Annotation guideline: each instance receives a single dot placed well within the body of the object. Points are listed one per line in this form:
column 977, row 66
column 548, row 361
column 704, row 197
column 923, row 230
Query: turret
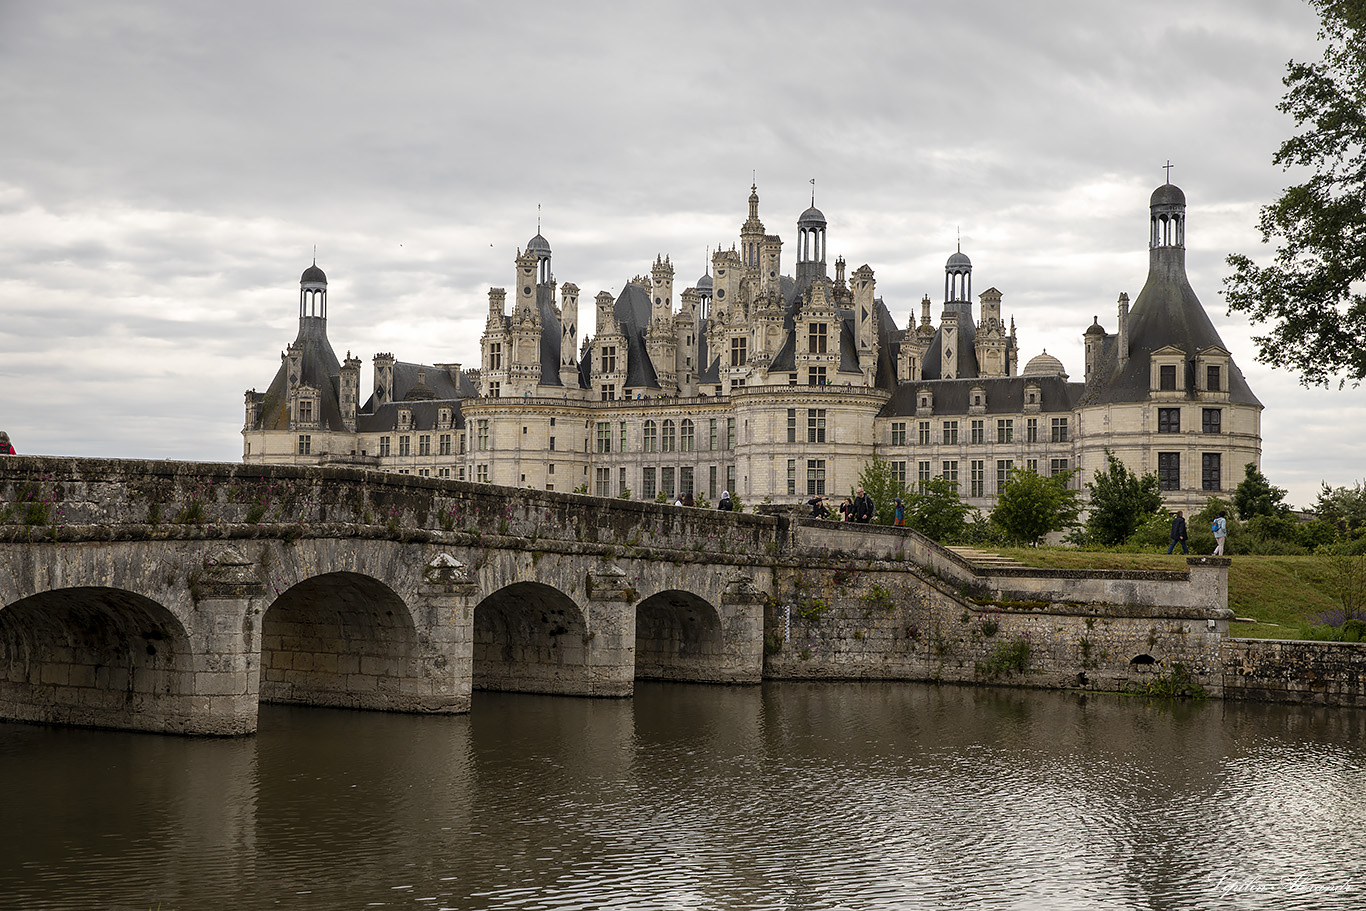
column 1123, row 341
column 865, row 321
column 383, row 378
column 569, row 335
column 662, row 303
column 350, row 391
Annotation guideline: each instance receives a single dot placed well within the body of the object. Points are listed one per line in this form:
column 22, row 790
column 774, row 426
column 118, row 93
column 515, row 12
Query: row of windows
column 1169, row 471
column 661, row 436
column 1169, row 420
column 1167, row 378
column 424, row 445
column 977, row 431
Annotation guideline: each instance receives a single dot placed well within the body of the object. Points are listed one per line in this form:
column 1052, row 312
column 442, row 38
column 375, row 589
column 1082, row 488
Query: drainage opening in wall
column 1142, row 659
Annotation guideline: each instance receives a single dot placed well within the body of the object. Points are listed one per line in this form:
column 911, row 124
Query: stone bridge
column 173, row 596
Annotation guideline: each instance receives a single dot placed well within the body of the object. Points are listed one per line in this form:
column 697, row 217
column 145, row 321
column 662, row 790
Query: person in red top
column 5, row 447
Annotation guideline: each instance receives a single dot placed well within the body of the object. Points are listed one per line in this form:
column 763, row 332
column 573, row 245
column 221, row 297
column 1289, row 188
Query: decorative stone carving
column 443, row 569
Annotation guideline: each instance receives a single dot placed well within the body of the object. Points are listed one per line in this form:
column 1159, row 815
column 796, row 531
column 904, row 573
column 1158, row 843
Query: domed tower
column 313, row 302
column 541, row 248
column 810, row 244
column 958, row 278
column 704, row 286
column 957, row 330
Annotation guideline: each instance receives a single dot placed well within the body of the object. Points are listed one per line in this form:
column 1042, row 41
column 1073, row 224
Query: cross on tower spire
column 1168, row 168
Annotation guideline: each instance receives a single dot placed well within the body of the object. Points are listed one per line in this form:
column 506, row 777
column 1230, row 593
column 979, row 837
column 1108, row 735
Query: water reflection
column 785, row 796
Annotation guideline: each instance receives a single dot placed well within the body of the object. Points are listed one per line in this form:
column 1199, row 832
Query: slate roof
column 318, row 367
column 1167, row 312
column 1005, row 395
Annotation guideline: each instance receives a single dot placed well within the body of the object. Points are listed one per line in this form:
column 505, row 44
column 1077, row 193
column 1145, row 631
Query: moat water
column 785, row 796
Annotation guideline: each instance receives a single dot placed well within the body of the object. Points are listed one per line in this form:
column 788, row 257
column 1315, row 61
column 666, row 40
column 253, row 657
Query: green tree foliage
column 1029, row 506
column 937, row 512
column 1344, row 507
column 1254, row 495
column 1311, row 292
column 879, row 481
column 1121, row 501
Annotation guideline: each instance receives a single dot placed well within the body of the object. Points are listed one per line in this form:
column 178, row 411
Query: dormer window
column 405, row 418
column 924, row 401
column 1167, row 378
column 1213, row 379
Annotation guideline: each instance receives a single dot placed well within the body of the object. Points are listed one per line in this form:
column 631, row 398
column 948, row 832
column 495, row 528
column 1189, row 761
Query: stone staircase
column 986, row 559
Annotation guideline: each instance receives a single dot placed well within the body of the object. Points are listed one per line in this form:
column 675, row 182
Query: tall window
column 979, row 432
column 1057, row 467
column 495, row 356
column 621, row 481
column 1212, row 379
column 815, row 477
column 687, row 437
column 791, row 425
column 898, row 433
column 815, row 376
column 899, row 472
column 1166, row 377
column 609, row 359
column 950, row 471
column 815, row 425
column 1169, row 420
column 1003, row 469
column 383, row 447
column 649, row 438
column 1210, row 476
column 1031, row 430
column 923, row 433
column 1211, row 420
column 1005, row 431
column 305, row 444
column 481, row 430
column 711, row 433
column 666, row 481
column 609, row 392
column 979, row 474
column 666, row 443
column 791, row 477
column 445, row 444
column 1060, row 430
column 481, row 473
column 648, row 490
column 306, row 411
column 730, row 478
column 730, row 433
column 405, row 445
column 685, row 485
column 604, row 439
column 950, row 433
column 602, row 482
column 922, row 473
column 711, row 481
column 738, row 349
column 816, row 338
column 1169, row 470
column 495, row 390
column 424, row 444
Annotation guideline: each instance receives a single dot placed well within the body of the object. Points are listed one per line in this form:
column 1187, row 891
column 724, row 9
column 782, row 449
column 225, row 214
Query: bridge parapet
column 124, row 497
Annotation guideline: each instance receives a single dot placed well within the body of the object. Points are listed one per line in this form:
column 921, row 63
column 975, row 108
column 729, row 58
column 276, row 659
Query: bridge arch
column 340, row 639
column 679, row 636
column 96, row 656
column 533, row 638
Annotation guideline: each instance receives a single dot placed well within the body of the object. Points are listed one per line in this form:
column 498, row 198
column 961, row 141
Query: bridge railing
column 39, row 494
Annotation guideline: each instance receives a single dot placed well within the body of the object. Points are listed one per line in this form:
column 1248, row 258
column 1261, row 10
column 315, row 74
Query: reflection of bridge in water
column 177, row 596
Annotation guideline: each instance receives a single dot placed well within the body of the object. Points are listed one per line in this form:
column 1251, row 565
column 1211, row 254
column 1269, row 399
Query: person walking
column 5, row 447
column 898, row 512
column 1179, row 533
column 1220, row 529
column 725, row 503
column 863, row 507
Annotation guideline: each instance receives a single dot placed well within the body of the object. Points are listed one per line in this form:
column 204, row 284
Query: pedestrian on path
column 1220, row 529
column 1179, row 533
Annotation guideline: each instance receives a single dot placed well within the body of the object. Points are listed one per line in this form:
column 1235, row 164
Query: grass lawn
column 1282, row 594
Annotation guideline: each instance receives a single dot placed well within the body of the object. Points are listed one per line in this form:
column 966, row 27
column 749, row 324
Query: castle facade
column 775, row 386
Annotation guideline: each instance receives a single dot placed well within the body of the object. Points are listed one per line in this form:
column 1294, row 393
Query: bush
column 1121, row 502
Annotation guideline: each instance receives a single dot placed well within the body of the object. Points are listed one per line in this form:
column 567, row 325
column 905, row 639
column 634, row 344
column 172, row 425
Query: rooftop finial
column 538, row 218
column 959, row 229
column 315, row 254
column 813, row 192
column 707, row 270
column 1168, row 168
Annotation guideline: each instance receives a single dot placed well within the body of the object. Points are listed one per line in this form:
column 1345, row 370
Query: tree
column 1344, row 507
column 1120, row 502
column 937, row 513
column 1254, row 495
column 1311, row 292
column 879, row 481
column 1029, row 506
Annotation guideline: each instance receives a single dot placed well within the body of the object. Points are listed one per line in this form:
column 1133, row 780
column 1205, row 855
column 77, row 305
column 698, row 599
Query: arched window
column 687, row 440
column 667, row 444
column 648, row 439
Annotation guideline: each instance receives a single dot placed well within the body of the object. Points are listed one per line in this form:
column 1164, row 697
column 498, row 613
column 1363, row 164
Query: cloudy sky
column 167, row 169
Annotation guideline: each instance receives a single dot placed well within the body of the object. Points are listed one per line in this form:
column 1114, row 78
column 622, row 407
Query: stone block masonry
column 1273, row 670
